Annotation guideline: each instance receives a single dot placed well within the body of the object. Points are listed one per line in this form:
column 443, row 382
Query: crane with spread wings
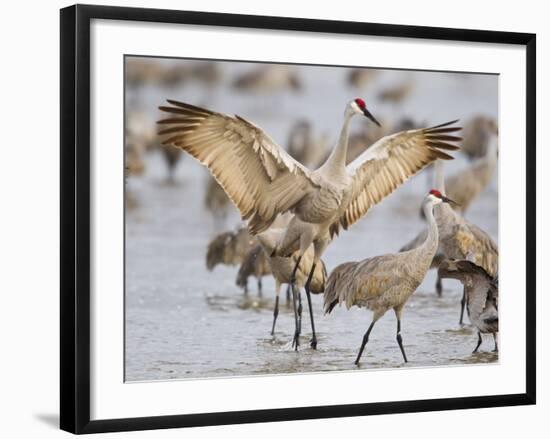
column 264, row 181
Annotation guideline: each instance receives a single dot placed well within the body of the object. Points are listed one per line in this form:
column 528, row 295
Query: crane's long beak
column 370, row 116
column 448, row 200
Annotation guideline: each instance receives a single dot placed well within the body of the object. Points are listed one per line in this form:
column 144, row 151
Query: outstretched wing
column 260, row 177
column 388, row 163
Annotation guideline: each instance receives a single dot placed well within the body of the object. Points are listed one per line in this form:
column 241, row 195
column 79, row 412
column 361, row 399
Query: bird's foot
column 313, row 343
column 296, row 341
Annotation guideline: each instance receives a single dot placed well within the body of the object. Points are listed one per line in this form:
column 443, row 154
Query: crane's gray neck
column 337, row 159
column 432, row 240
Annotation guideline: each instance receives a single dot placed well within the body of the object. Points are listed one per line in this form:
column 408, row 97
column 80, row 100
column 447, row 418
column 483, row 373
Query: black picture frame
column 75, row 217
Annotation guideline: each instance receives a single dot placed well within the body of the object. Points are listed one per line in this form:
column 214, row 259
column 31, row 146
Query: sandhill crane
column 459, row 239
column 209, row 73
column 216, row 201
column 360, row 78
column 172, row 156
column 140, row 129
column 438, row 258
column 477, row 135
column 282, row 269
column 263, row 180
column 268, row 79
column 133, row 157
column 304, row 147
column 204, row 72
column 385, row 282
column 465, row 186
column 481, row 295
column 255, row 263
column 229, row 248
column 367, row 135
column 396, row 93
column 140, row 71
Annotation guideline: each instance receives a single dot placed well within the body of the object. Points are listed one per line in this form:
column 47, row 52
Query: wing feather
column 260, row 177
column 392, row 160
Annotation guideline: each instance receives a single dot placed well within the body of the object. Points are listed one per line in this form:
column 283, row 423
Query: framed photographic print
column 274, row 218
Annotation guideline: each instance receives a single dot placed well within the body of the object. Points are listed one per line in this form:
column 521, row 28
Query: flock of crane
column 294, row 209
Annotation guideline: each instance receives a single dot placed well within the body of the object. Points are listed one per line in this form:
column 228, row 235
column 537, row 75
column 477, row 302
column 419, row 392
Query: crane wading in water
column 385, row 282
column 263, row 180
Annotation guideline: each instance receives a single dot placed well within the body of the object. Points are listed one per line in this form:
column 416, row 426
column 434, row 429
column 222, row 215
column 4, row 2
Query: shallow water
column 185, row 322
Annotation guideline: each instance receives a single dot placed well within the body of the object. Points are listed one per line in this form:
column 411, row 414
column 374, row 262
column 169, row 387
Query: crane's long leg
column 496, row 343
column 296, row 339
column 288, row 296
column 313, row 343
column 299, row 294
column 293, row 275
column 400, row 340
column 276, row 309
column 462, row 305
column 260, row 287
column 439, row 286
column 478, row 342
column 297, row 320
column 364, row 343
column 398, row 313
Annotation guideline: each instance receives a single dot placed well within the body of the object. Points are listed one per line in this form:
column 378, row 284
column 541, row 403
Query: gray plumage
column 229, row 248
column 305, row 147
column 282, row 268
column 476, row 135
column 264, row 181
column 458, row 237
column 216, row 201
column 465, row 186
column 268, row 79
column 255, row 263
column 360, row 78
column 384, row 282
column 172, row 156
column 481, row 291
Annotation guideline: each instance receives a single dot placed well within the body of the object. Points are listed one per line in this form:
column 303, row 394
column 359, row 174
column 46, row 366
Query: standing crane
column 255, row 263
column 477, row 135
column 465, row 186
column 282, row 269
column 216, row 202
column 304, row 146
column 481, row 291
column 268, row 79
column 263, row 180
column 229, row 248
column 458, row 239
column 385, row 282
column 359, row 78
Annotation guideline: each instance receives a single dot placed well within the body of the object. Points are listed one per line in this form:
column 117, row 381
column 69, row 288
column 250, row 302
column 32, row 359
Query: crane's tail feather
column 337, row 286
